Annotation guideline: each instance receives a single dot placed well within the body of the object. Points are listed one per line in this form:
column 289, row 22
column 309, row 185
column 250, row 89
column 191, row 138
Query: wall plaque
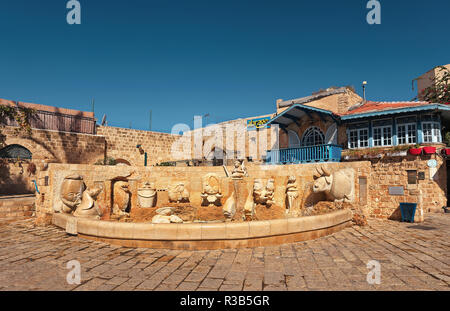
column 421, row 175
column 396, row 191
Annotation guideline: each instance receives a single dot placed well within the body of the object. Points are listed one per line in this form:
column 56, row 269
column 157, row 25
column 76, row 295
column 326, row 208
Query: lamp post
column 364, row 90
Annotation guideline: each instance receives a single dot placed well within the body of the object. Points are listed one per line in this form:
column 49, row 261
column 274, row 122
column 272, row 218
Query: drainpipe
column 36, row 186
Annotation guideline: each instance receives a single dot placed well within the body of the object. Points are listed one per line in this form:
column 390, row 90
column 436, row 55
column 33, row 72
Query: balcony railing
column 321, row 153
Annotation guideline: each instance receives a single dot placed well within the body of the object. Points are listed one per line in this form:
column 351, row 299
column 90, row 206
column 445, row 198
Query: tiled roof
column 372, row 106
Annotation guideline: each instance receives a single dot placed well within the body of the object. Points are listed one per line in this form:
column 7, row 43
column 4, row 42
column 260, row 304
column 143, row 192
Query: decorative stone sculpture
column 291, row 193
column 239, row 170
column 249, row 208
column 77, row 199
column 72, row 189
column 211, row 193
column 229, row 208
column 263, row 195
column 88, row 207
column 147, row 195
column 338, row 187
column 161, row 219
column 178, row 193
column 121, row 198
column 165, row 211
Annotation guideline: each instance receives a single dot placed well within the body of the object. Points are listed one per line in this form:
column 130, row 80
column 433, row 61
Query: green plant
column 21, row 115
column 106, row 161
column 166, row 164
column 447, row 139
column 439, row 91
column 401, row 148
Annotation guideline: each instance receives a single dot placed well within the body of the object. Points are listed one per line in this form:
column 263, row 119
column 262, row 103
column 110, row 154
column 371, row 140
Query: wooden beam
column 292, row 118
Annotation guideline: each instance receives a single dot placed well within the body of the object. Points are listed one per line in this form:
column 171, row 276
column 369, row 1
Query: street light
column 364, row 90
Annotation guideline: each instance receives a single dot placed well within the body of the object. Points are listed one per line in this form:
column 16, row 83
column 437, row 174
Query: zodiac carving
column 211, row 193
column 178, row 193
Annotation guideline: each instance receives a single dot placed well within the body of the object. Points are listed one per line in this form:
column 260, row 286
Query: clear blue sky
column 229, row 58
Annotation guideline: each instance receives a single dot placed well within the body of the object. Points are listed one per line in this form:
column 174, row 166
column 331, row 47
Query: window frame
column 358, row 137
column 434, row 138
column 312, row 130
column 382, row 138
column 407, row 125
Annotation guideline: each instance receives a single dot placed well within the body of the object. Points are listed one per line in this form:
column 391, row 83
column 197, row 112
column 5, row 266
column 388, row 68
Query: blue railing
column 321, row 153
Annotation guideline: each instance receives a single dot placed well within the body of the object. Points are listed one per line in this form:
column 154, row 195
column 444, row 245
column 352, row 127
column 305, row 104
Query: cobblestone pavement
column 412, row 257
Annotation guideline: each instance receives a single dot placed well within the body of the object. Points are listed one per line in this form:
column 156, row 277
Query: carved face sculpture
column 121, row 195
column 211, row 185
column 258, row 186
column 72, row 189
column 324, row 181
column 322, row 184
column 179, row 188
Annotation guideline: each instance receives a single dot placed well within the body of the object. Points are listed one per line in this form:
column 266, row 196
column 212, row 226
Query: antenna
column 104, row 120
column 150, row 122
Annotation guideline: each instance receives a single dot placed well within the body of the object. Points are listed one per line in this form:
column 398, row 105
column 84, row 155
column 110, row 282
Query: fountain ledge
column 203, row 236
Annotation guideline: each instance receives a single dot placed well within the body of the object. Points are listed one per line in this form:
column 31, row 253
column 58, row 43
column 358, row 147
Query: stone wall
column 54, row 146
column 46, row 147
column 49, row 182
column 121, row 144
column 13, row 207
column 393, row 172
column 372, row 182
column 15, row 178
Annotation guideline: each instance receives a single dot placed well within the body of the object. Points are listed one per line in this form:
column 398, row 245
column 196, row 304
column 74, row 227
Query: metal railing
column 59, row 122
column 320, row 153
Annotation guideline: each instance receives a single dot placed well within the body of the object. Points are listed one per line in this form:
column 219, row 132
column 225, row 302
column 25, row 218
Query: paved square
column 412, row 257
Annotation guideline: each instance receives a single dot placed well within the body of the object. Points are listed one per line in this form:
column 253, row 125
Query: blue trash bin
column 408, row 210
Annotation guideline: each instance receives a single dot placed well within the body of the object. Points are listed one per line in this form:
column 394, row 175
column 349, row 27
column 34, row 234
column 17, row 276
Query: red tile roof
column 371, row 106
column 86, row 114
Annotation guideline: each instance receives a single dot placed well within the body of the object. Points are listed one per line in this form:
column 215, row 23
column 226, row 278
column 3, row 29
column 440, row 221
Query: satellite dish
column 104, row 120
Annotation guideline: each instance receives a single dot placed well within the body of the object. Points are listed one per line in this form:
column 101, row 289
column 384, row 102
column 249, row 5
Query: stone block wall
column 121, row 145
column 46, row 147
column 54, row 146
column 50, row 181
column 393, row 172
column 17, row 207
column 372, row 196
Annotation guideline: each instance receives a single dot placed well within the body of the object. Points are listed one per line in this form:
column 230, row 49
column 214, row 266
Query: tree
column 439, row 91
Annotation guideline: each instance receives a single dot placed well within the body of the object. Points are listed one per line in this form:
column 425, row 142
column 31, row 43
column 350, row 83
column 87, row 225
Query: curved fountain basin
column 201, row 236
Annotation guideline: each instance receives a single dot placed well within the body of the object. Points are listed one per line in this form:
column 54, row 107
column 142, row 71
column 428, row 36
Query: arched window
column 294, row 141
column 15, row 152
column 313, row 137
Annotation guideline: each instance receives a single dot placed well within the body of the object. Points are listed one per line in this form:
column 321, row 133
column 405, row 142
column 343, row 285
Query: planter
column 429, row 150
column 446, row 151
column 415, row 151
